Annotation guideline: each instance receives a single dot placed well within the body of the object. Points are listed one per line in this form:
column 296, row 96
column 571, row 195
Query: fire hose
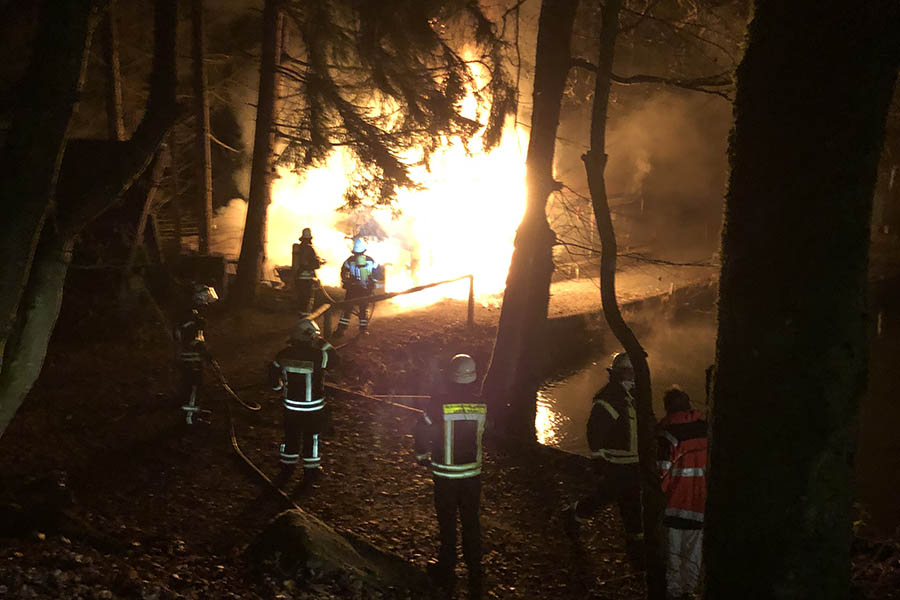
column 255, row 407
column 221, row 377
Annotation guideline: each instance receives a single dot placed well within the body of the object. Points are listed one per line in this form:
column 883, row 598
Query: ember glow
column 462, row 222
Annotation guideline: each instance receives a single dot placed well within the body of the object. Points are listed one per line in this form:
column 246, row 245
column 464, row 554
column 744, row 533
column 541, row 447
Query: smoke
column 678, row 353
column 665, row 174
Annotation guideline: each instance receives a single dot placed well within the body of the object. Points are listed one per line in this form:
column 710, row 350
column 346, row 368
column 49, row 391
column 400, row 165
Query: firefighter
column 681, row 460
column 612, row 436
column 299, row 372
column 448, row 437
column 304, row 262
column 192, row 350
column 361, row 276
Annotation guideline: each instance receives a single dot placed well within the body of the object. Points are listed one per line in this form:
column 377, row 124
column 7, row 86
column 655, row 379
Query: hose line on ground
column 221, row 376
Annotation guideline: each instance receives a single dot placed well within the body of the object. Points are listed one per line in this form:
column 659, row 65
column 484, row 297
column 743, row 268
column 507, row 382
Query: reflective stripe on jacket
column 681, row 460
column 451, row 430
column 612, row 427
column 299, row 371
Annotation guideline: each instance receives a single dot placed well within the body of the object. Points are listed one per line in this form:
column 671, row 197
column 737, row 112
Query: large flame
column 463, row 221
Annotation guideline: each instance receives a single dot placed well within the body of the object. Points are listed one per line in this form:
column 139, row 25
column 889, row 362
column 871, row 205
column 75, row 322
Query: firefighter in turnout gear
column 681, row 460
column 304, row 262
column 448, row 438
column 361, row 276
column 192, row 351
column 613, row 439
column 299, row 372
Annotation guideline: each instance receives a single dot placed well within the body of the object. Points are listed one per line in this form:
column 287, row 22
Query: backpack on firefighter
column 361, row 276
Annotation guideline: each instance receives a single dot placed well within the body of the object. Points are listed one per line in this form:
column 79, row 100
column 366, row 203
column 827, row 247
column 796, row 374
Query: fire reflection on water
column 547, row 420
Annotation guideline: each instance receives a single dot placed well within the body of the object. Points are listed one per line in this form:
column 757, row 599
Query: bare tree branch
column 697, row 84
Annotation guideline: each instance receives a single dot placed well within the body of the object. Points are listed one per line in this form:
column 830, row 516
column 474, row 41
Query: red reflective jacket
column 681, row 461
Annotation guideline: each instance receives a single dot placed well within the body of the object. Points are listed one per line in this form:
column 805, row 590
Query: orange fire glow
column 462, row 222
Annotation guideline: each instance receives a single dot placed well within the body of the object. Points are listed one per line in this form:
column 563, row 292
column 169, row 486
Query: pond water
column 679, row 350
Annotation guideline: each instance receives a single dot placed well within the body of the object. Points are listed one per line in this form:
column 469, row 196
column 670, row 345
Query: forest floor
column 106, row 493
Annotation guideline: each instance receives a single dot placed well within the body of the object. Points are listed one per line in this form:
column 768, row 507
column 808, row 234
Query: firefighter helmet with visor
column 462, row 369
column 203, row 295
column 306, row 330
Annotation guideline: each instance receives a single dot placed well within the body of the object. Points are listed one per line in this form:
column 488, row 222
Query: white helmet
column 203, row 295
column 306, row 330
column 620, row 361
column 462, row 369
column 359, row 245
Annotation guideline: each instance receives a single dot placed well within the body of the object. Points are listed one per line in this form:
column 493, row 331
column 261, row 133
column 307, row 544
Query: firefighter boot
column 442, row 576
column 476, row 584
column 340, row 331
column 635, row 550
column 311, row 479
column 285, row 472
column 570, row 521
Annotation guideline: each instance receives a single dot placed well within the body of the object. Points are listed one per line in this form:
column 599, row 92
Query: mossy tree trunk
column 812, row 93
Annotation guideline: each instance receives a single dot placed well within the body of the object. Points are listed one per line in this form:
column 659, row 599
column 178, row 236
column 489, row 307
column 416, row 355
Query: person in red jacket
column 681, row 460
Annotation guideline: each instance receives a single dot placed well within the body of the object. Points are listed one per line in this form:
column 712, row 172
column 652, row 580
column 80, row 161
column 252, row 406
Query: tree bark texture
column 812, row 93
column 512, row 377
column 82, row 195
column 110, row 37
column 201, row 117
column 253, row 242
column 595, row 165
column 30, row 160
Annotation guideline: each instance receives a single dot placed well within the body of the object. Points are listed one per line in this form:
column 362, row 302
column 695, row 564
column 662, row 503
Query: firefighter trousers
column 462, row 497
column 620, row 484
column 306, row 295
column 190, row 379
column 302, row 426
column 355, row 291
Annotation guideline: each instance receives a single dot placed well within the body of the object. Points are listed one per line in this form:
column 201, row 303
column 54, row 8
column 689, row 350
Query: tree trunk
column 511, row 379
column 201, row 116
column 30, row 160
column 595, row 166
column 114, row 115
column 175, row 208
column 39, row 310
column 792, row 351
column 253, row 243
